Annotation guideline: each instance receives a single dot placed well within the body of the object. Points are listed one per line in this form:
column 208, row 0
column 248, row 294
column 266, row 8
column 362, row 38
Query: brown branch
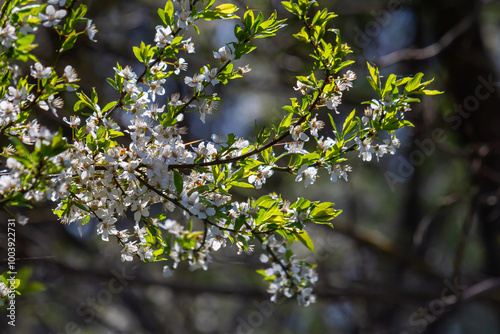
column 429, row 51
column 379, row 243
column 485, row 289
column 362, row 289
column 273, row 142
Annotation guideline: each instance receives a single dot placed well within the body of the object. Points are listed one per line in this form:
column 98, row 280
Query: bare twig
column 484, row 289
column 379, row 243
column 429, row 51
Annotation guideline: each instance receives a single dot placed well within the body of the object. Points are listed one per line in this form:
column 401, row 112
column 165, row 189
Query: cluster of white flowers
column 8, row 34
column 16, row 97
column 121, row 179
column 10, row 29
column 11, row 181
column 374, row 113
column 338, row 171
column 18, row 177
column 297, row 280
column 23, row 22
column 332, row 99
column 101, row 178
column 259, row 178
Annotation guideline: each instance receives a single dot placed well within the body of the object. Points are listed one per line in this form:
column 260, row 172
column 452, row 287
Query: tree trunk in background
column 476, row 114
column 471, row 75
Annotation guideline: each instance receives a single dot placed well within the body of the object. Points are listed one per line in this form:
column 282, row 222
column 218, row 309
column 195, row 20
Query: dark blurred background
column 417, row 248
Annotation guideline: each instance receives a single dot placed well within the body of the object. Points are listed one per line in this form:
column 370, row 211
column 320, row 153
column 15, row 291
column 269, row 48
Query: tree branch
column 429, row 51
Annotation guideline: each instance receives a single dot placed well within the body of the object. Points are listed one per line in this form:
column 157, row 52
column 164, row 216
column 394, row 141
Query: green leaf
column 59, row 143
column 113, row 133
column 239, row 174
column 432, row 92
column 5, row 276
column 178, row 182
column 389, row 85
column 250, row 164
column 20, row 148
column 349, row 124
column 109, row 106
column 374, row 79
column 91, row 143
column 324, row 212
column 265, row 201
column 289, row 6
column 414, row 83
column 333, row 123
column 241, row 184
column 239, row 222
column 305, row 239
column 137, row 53
column 169, row 13
column 302, row 36
column 395, row 124
column 285, row 123
column 226, row 10
column 80, row 206
column 301, row 204
column 69, row 42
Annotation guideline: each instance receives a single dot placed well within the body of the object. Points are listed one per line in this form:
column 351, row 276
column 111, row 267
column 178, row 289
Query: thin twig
column 429, row 51
column 483, row 288
column 381, row 244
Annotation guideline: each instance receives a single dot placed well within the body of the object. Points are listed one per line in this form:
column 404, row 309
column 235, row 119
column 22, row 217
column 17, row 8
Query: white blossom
column 52, row 103
column 145, row 253
column 244, row 69
column 325, row 144
column 365, row 149
column 129, row 250
column 315, row 125
column 40, row 72
column 216, row 238
column 196, row 81
column 167, row 272
column 307, row 174
column 106, row 228
column 184, row 19
column 259, row 178
column 51, row 16
column 338, row 171
column 333, row 102
column 74, row 121
column 8, row 35
column 188, row 46
column 163, row 36
column 297, row 133
column 91, row 30
column 211, row 75
column 70, row 74
column 224, row 54
column 180, row 65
